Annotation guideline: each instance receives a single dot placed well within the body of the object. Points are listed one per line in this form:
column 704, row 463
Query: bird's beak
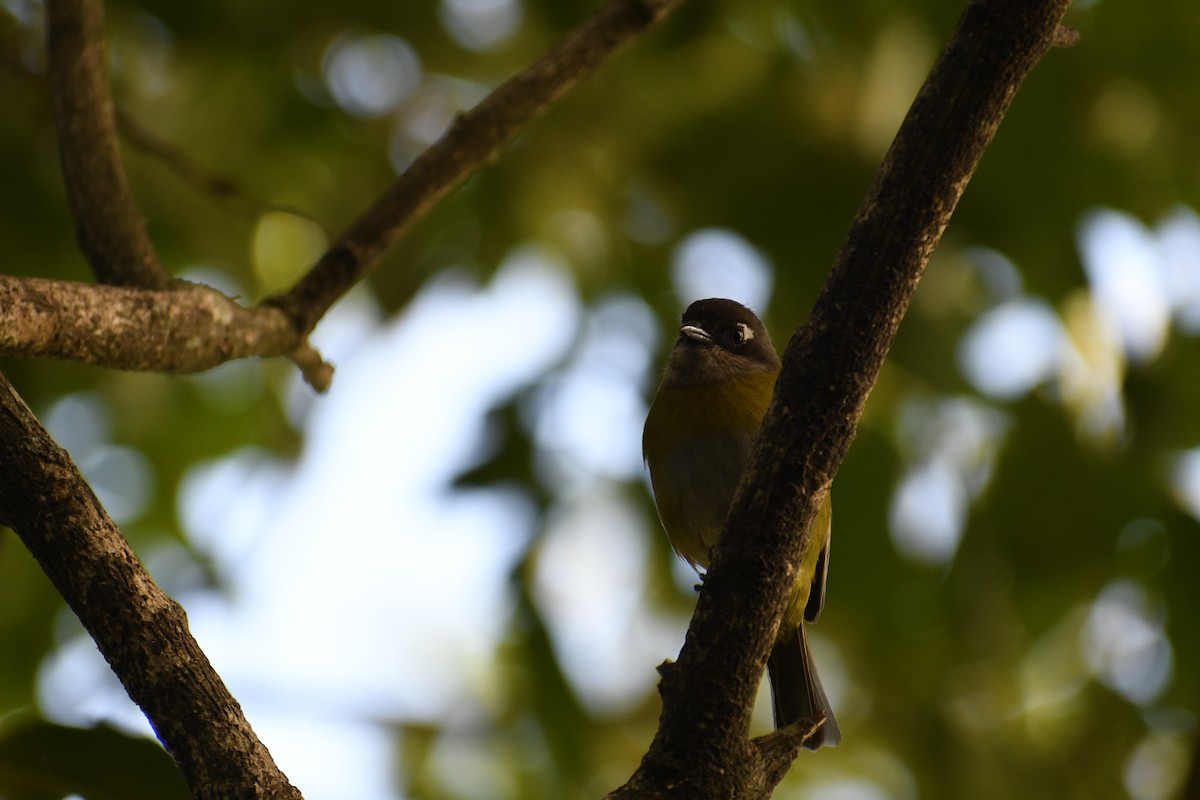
column 695, row 332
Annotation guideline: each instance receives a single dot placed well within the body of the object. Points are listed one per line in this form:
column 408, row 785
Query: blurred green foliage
column 40, row 761
column 961, row 677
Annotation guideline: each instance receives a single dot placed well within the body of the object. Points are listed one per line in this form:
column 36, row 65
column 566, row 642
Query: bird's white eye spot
column 745, row 332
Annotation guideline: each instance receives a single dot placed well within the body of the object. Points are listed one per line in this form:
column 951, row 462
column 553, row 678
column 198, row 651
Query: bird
column 715, row 390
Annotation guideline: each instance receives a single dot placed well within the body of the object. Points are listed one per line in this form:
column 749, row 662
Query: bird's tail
column 796, row 691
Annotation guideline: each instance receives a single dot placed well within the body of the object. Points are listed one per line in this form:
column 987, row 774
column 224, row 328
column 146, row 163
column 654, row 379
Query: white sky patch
column 79, row 423
column 587, row 419
column 1124, row 642
column 481, row 24
column 996, row 273
column 370, row 74
column 844, row 789
column 1179, row 240
column 950, row 447
column 1125, row 270
column 928, row 512
column 1080, row 349
column 329, row 756
column 358, row 585
column 122, row 478
column 590, row 584
column 1139, row 281
column 1185, row 481
column 1157, row 768
column 717, row 262
column 1012, row 348
column 890, row 778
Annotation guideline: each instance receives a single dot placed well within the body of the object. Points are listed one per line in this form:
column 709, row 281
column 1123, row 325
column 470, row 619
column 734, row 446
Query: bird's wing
column 816, row 594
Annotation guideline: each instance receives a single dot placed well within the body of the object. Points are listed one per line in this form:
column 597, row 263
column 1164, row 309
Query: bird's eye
column 741, row 333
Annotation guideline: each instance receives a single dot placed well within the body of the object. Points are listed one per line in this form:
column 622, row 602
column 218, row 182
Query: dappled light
column 1185, row 481
column 1156, row 769
column 1139, row 283
column 1124, row 643
column 1013, row 348
column 284, row 246
column 434, row 106
column 370, row 75
column 122, row 477
column 1128, row 281
column 951, row 448
column 591, row 580
column 585, row 419
column 720, row 263
column 446, row 578
column 481, row 24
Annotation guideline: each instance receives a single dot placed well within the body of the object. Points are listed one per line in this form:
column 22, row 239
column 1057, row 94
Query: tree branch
column 140, row 630
column 108, row 226
column 472, row 141
column 188, row 330
column 111, row 233
column 220, row 187
column 829, row 368
column 145, row 331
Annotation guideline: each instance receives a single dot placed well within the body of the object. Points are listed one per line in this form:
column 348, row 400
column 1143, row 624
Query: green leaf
column 43, row 761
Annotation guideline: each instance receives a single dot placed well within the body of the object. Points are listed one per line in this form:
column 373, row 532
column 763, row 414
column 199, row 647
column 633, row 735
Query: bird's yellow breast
column 696, row 442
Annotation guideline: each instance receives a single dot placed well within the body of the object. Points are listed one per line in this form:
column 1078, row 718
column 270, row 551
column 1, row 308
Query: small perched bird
column 714, row 393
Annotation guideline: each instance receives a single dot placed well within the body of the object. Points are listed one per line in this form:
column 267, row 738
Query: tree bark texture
column 702, row 748
column 190, row 330
column 142, row 319
column 108, row 226
column 141, row 631
column 111, row 231
column 472, row 141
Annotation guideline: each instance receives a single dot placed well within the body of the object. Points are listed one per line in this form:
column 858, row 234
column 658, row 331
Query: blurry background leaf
column 446, row 578
column 41, row 761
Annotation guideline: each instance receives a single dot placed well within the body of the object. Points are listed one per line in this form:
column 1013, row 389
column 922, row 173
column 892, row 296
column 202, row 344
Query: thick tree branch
column 472, row 141
column 188, row 330
column 140, row 630
column 108, row 226
column 829, row 368
column 111, row 232
column 145, row 331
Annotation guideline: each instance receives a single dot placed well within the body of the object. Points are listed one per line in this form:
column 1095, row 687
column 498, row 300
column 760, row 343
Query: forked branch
column 472, row 141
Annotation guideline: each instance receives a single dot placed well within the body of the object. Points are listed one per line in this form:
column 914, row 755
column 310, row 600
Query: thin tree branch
column 41, row 321
column 472, row 141
column 140, row 630
column 108, row 226
column 829, row 368
column 137, row 136
column 188, row 330
column 143, row 140
column 220, row 187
